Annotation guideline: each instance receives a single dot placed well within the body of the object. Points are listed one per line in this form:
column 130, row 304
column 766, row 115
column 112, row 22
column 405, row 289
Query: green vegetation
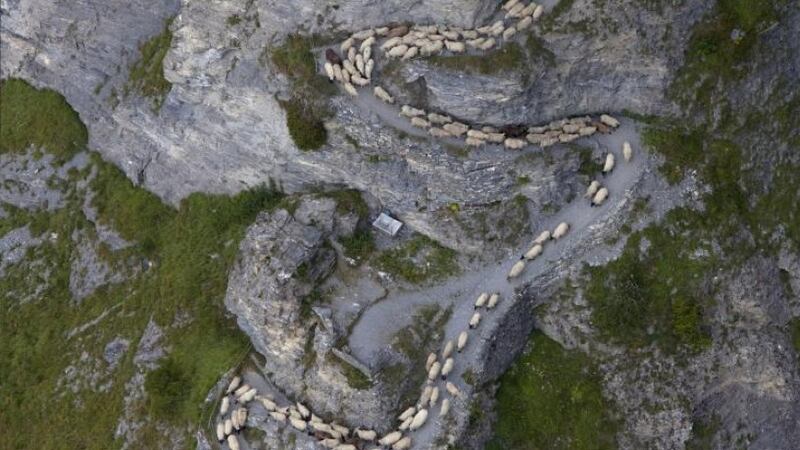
column 794, row 327
column 510, row 57
column 359, row 246
column 355, row 378
column 307, row 109
column 233, row 20
column 178, row 275
column 146, row 76
column 703, row 432
column 551, row 399
column 419, row 260
column 39, row 118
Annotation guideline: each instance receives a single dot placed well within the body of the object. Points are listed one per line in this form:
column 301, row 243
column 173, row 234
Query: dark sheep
column 332, row 57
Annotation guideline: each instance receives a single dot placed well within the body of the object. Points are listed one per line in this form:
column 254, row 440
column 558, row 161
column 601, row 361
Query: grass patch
column 703, row 432
column 359, row 246
column 146, row 76
column 38, row 117
column 355, row 378
column 306, row 126
column 419, row 260
column 794, row 328
column 509, row 58
column 551, row 399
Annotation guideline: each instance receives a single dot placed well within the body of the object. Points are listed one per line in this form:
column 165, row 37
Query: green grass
column 551, row 399
column 794, row 327
column 146, row 76
column 703, row 432
column 510, row 57
column 39, row 118
column 355, row 378
column 419, row 260
column 359, row 246
column 191, row 249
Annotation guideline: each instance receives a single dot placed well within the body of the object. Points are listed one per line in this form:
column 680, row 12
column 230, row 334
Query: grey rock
column 115, row 350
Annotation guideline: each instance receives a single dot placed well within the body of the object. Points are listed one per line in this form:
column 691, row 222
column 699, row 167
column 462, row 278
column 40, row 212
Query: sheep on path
column 228, row 426
column 462, row 341
column 452, row 389
column 220, row 431
column 592, row 189
column 402, row 444
column 534, row 251
column 475, row 320
column 448, row 349
column 366, row 435
column 543, row 237
column 481, row 300
column 493, row 301
column 224, row 405
column 234, row 384
column 390, row 438
column 447, row 367
column 434, row 397
column 410, row 111
column 241, row 390
column 600, row 197
column 429, row 362
column 434, row 371
column 298, row 424
column 419, row 420
column 610, row 121
column 233, row 442
column 560, row 230
column 445, row 407
column 627, row 151
column 516, row 269
column 455, row 128
column 609, row 164
column 279, row 416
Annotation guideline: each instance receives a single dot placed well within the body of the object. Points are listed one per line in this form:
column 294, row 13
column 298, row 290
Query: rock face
column 282, row 258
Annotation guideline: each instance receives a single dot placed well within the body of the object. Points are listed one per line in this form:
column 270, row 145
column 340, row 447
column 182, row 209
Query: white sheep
column 398, row 51
column 475, row 320
column 228, row 425
column 481, row 300
column 587, row 131
column 419, row 420
column 498, row 25
column 242, row 412
column 402, row 444
column 345, row 447
column 431, row 48
column 543, row 237
column 627, row 151
column 445, row 407
column 409, row 111
column 298, row 424
column 279, row 416
column 476, row 43
column 448, row 349
column 329, row 71
column 367, row 43
column 321, row 427
column 436, row 37
column 304, row 412
column 330, row 443
column 224, row 405
column 592, row 189
column 368, row 68
column 487, row 44
column 360, row 63
column 510, row 4
column 350, row 89
column 434, row 396
column 345, row 77
column 248, row 396
column 477, row 134
column 391, row 43
column 451, row 35
column 349, row 67
column 407, row 413
column 347, row 44
column 293, row 412
column 561, row 230
column 455, row 47
column 341, row 429
column 455, row 128
column 351, row 55
column 610, row 121
column 220, row 431
column 366, row 435
column 609, row 164
column 473, row 142
column 600, row 197
column 439, row 118
column 382, row 31
column 234, row 384
column 493, row 301
column 439, row 133
column 566, row 138
column 425, row 397
column 509, row 32
column 514, row 143
column 235, row 421
column 515, row 11
column 337, row 73
column 241, row 390
column 452, row 389
column 462, row 341
column 410, row 53
column 233, row 442
column 497, row 138
column 390, row 438
column 516, row 269
column 434, row 370
column 315, row 419
column 359, row 80
column 469, row 34
column 447, row 367
column 528, row 10
column 419, row 122
column 383, row 95
column 430, row 361
column 364, row 34
column 571, row 128
column 537, row 12
column 534, row 251
column 406, row 423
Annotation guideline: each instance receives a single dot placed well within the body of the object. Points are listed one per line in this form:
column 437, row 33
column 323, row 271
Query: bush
column 359, row 246
column 418, row 260
column 146, row 76
column 167, row 388
column 510, row 57
column 40, row 118
column 305, row 126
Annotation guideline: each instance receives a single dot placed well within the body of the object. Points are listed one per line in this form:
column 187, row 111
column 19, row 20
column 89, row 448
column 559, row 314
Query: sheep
column 448, row 349
column 345, row 447
column 587, row 131
column 516, row 269
column 455, row 47
column 406, row 423
column 477, row 134
column 565, row 138
column 383, row 95
column 409, row 111
column 425, row 397
column 223, row 407
column 337, row 73
column 497, row 138
column 473, row 142
column 476, row 43
column 600, row 197
column 535, row 138
column 608, row 120
column 439, row 133
column 410, row 53
column 321, row 427
column 434, row 397
column 314, row 419
column 390, row 438
column 329, row 71
column 402, row 444
column 543, row 237
column 350, row 67
column 430, row 361
column 510, row 4
column 469, row 34
column 481, row 300
column 397, row 51
column 514, row 143
column 447, row 367
column 475, row 320
column 451, row 35
column 510, row 31
column 534, row 251
column 248, row 396
column 234, row 384
column 537, row 130
column 350, row 89
column 537, row 12
column 351, row 55
column 341, row 429
column 298, row 424
column 399, row 30
column 279, row 416
column 330, row 443
column 548, row 142
column 419, row 420
column 433, row 47
column 391, row 43
column 368, row 67
column 359, row 80
column 455, row 128
column 382, row 31
column 515, row 11
column 426, row 28
column 360, row 63
column 571, row 128
column 445, row 407
column 493, row 301
column 439, row 118
column 241, row 390
column 498, row 25
column 367, row 43
column 228, row 425
column 560, row 231
column 345, row 76
column 347, row 44
column 294, row 413
column 419, row 122
column 407, row 413
column 462, row 341
column 528, row 10
column 366, row 435
column 609, row 164
column 436, row 37
column 434, row 370
column 235, row 421
column 487, row 44
column 452, row 389
column 304, row 412
column 627, row 151
column 220, row 432
column 242, row 412
column 233, row 442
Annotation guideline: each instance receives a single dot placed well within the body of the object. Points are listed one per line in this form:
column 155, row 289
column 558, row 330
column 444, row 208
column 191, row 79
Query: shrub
column 167, row 388
column 146, row 76
column 305, row 126
column 359, row 246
